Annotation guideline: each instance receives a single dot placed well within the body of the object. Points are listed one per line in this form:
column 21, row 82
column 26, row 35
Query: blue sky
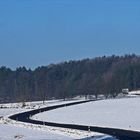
column 40, row 32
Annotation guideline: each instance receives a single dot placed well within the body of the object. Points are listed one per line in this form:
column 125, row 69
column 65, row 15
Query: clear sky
column 40, row 32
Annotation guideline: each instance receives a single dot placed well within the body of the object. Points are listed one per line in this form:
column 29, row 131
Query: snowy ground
column 12, row 130
column 115, row 113
column 8, row 111
column 35, row 104
column 9, row 132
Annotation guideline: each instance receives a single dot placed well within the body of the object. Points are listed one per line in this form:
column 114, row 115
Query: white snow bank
column 8, row 111
column 8, row 132
column 36, row 104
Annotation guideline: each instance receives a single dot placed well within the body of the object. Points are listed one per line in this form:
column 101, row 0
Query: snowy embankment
column 9, row 132
column 116, row 113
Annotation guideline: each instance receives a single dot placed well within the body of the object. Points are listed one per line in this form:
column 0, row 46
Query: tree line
column 98, row 76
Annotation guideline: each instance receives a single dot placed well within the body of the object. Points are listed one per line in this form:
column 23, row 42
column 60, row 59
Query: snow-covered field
column 116, row 113
column 9, row 132
column 35, row 104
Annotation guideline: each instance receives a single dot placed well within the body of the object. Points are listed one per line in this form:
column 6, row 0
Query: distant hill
column 101, row 75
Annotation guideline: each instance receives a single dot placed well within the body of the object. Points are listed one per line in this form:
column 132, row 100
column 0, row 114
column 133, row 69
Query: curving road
column 118, row 133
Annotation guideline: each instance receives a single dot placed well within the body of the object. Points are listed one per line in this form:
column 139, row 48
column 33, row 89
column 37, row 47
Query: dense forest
column 101, row 75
